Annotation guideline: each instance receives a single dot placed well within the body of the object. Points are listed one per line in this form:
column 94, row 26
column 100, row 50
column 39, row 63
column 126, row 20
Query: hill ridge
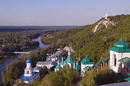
column 96, row 45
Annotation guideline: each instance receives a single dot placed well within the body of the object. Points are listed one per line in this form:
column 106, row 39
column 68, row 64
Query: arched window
column 114, row 62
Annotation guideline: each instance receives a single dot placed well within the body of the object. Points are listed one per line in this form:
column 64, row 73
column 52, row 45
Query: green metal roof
column 86, row 60
column 105, row 59
column 125, row 61
column 62, row 62
column 127, row 79
column 120, row 50
column 77, row 68
column 98, row 63
column 121, row 46
column 102, row 61
column 83, row 62
column 87, row 68
column 69, row 59
column 58, row 67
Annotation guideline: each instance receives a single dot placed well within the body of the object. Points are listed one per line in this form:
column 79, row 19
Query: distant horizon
column 59, row 13
column 53, row 25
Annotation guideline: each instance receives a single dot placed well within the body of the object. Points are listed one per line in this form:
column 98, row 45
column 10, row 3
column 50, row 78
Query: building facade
column 29, row 75
column 120, row 57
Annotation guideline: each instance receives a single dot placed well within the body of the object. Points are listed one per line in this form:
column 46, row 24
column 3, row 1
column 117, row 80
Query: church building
column 29, row 75
column 69, row 61
column 86, row 63
column 120, row 57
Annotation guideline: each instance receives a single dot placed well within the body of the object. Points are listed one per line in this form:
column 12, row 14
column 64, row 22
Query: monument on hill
column 106, row 16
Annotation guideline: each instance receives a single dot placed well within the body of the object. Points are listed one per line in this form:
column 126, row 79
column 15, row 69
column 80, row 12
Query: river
column 8, row 61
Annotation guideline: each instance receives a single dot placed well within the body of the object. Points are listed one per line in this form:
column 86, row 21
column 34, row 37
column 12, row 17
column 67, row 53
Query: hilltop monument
column 106, row 16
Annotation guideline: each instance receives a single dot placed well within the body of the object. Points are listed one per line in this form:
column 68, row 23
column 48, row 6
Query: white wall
column 42, row 65
column 30, row 72
column 119, row 56
column 82, row 68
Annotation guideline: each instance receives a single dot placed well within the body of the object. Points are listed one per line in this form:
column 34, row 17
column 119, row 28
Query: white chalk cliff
column 105, row 22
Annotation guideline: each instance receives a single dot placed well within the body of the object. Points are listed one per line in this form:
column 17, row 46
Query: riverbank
column 13, row 55
column 8, row 61
column 5, row 58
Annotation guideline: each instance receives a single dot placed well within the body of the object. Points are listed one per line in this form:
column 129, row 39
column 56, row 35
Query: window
column 114, row 61
column 114, row 56
column 27, row 72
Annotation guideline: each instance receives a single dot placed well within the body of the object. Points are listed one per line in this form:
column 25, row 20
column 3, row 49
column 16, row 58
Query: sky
column 58, row 12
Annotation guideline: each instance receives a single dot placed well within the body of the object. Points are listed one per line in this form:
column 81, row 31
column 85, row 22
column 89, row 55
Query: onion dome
column 69, row 59
column 28, row 61
column 58, row 67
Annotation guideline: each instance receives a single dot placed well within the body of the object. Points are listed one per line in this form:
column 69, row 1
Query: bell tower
column 28, row 70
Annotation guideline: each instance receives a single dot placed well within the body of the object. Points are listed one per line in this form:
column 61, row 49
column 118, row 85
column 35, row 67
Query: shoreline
column 8, row 61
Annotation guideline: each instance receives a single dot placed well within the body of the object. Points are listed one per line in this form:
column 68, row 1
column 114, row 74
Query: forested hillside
column 95, row 45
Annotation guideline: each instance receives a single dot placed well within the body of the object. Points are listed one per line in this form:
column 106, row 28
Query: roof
column 28, row 61
column 105, row 59
column 69, row 59
column 29, row 78
column 125, row 61
column 121, row 46
column 62, row 62
column 86, row 60
column 120, row 50
column 102, row 61
column 37, row 68
column 44, row 62
column 58, row 67
column 77, row 68
column 87, row 68
column 98, row 63
column 127, row 79
column 58, row 53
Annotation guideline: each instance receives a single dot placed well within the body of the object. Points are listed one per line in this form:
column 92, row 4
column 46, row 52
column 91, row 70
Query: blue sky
column 58, row 12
